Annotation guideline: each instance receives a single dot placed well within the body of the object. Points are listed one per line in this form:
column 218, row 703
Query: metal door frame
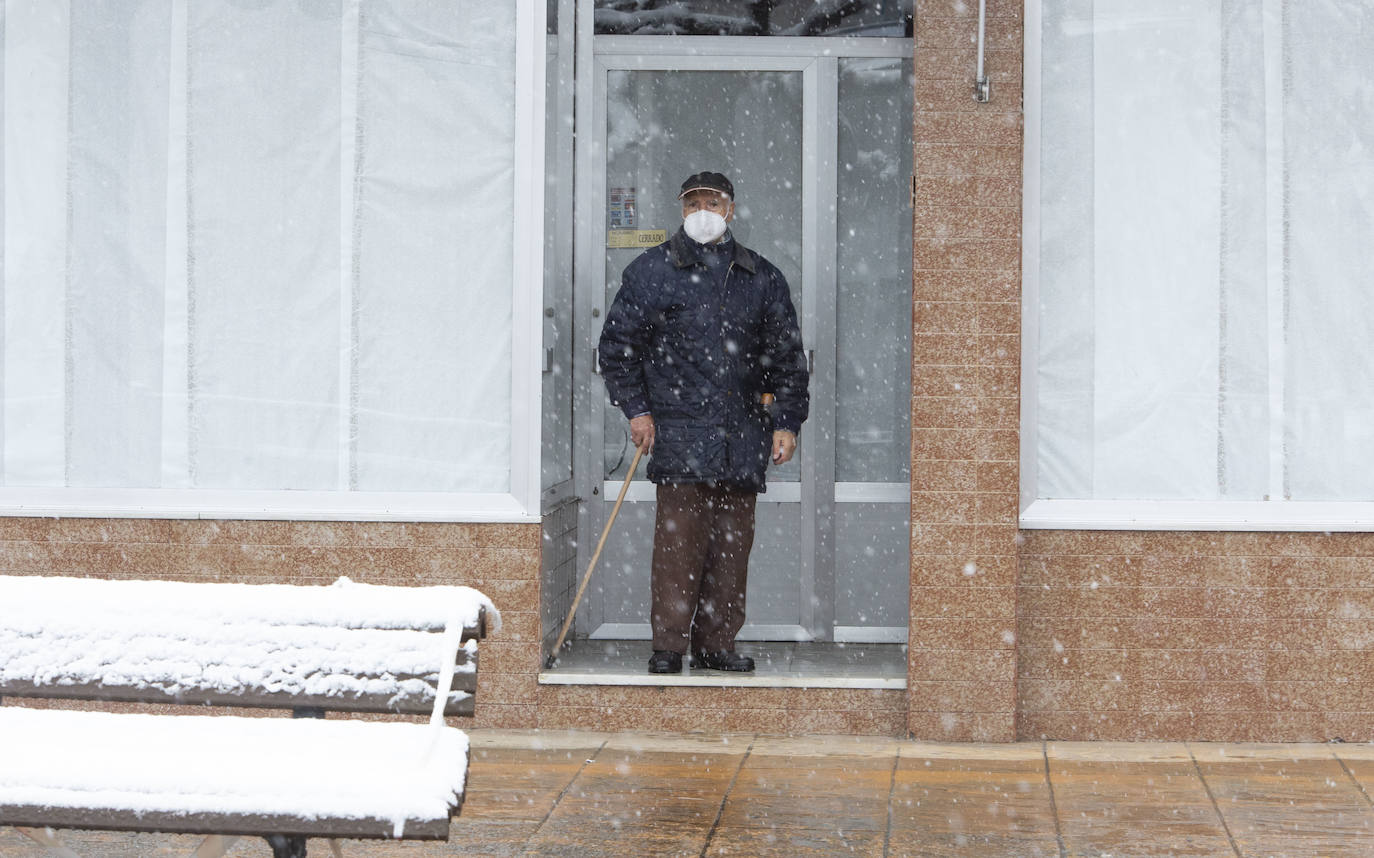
column 817, row 59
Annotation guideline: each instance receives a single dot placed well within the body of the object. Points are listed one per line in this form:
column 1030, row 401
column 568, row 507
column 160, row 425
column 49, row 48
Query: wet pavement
column 640, row 794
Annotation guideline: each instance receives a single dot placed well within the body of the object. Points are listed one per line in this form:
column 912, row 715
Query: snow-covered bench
column 346, row 647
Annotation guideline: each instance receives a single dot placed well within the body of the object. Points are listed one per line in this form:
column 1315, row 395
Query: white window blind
column 262, row 257
column 1200, row 191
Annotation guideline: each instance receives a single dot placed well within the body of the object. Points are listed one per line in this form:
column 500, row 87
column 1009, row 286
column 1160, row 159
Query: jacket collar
column 684, row 254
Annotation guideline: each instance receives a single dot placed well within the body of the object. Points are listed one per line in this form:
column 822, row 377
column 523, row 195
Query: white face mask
column 703, row 227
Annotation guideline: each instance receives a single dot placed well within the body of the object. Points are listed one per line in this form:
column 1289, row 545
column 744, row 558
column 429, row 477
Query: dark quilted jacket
column 696, row 352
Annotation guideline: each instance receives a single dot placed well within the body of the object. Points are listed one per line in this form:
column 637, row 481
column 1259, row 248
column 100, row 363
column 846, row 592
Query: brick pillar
column 965, row 363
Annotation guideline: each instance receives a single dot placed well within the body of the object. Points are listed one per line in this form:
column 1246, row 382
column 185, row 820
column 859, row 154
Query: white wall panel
column 36, row 100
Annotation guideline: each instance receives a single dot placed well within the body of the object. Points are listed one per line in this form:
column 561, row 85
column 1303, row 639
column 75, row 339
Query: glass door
column 872, row 323
column 663, row 123
column 818, row 148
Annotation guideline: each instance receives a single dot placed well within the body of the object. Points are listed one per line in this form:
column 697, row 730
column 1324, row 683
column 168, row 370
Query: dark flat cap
column 707, row 181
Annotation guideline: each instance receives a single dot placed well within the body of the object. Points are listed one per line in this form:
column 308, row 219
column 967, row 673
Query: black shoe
column 663, row 661
column 724, row 660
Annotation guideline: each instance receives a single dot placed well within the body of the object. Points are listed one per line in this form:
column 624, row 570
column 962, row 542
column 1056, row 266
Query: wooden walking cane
column 596, row 555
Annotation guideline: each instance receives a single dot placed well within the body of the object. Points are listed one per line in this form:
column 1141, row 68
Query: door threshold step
column 777, row 665
column 718, row 679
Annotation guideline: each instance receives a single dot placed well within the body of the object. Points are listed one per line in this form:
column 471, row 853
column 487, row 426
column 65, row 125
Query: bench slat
column 414, row 705
column 131, row 656
column 31, row 816
column 214, row 774
column 344, row 604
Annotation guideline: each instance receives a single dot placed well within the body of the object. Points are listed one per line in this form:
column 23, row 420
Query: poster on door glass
column 622, row 209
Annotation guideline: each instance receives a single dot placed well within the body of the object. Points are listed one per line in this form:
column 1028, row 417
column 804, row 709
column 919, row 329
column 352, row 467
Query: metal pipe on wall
column 982, row 87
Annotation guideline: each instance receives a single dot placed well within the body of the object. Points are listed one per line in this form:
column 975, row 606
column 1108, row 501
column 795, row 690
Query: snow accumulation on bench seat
column 344, row 603
column 344, row 640
column 198, row 764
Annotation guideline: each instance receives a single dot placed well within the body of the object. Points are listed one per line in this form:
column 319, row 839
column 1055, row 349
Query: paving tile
column 618, row 840
column 1003, row 804
column 915, row 753
column 968, row 797
column 1148, row 843
column 637, row 810
column 966, row 768
column 485, row 838
column 1351, row 751
column 1133, row 807
column 804, row 810
column 866, row 747
column 914, row 843
column 523, row 772
column 1362, row 770
column 1119, row 752
column 509, row 803
column 788, row 842
column 1291, row 799
column 820, row 763
column 509, row 784
column 627, row 762
column 1256, row 821
column 1216, row 752
column 1304, row 847
column 809, row 780
column 703, row 776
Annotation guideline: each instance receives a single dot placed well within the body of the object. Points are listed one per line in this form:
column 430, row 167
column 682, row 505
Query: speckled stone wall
column 965, row 361
column 1237, row 637
column 501, row 560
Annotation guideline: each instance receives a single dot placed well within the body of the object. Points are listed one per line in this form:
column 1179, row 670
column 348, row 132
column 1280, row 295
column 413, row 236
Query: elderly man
column 701, row 335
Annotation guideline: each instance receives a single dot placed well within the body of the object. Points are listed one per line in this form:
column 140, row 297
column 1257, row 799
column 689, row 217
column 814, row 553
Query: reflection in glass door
column 872, row 350
column 819, row 151
column 661, row 126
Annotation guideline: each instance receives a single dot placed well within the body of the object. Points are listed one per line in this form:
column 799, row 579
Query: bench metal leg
column 214, row 846
column 47, row 838
column 286, row 847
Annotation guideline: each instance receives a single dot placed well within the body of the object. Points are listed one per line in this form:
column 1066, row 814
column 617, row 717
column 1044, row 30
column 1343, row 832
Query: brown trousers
column 702, row 538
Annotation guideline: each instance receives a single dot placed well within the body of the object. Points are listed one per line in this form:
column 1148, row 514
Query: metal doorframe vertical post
column 820, row 105
column 587, row 297
column 559, row 342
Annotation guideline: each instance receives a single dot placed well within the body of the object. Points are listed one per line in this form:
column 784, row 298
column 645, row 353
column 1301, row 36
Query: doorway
column 816, row 135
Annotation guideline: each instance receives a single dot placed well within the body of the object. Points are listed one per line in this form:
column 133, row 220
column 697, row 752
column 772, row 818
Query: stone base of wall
column 1112, row 635
column 1234, row 637
column 501, row 560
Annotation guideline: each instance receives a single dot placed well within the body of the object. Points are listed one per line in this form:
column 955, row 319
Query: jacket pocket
column 753, row 446
column 686, row 451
